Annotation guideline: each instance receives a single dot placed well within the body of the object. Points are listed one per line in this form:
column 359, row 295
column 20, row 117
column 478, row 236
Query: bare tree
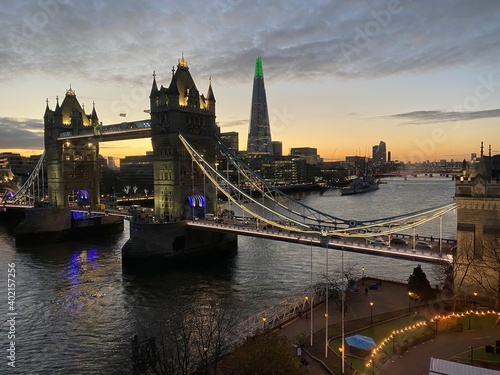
column 464, row 260
column 192, row 340
column 213, row 328
column 487, row 267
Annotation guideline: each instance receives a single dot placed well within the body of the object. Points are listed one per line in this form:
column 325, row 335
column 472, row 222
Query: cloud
column 120, row 41
column 239, row 122
column 21, row 133
column 430, row 117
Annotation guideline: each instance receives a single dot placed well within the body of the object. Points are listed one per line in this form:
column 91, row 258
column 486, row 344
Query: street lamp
column 371, row 312
column 326, row 336
column 475, row 299
column 264, row 323
column 363, row 270
column 341, row 349
column 471, row 355
column 409, row 301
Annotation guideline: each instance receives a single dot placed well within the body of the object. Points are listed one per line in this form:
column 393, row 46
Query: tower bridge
column 185, row 141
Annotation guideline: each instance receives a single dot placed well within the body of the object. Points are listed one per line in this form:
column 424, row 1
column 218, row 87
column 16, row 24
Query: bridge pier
column 172, row 242
column 49, row 225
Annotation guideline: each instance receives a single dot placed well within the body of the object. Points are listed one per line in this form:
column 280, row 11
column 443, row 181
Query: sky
column 340, row 76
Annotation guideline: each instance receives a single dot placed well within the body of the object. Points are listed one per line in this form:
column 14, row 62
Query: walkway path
column 388, row 297
column 445, row 347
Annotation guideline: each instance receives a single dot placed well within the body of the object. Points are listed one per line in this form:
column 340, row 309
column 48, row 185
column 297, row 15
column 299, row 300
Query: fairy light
column 394, row 334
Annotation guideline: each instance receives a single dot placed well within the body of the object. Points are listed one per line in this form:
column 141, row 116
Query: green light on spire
column 258, row 67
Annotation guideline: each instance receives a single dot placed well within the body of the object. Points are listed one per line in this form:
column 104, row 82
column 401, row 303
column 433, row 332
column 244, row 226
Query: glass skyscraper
column 259, row 134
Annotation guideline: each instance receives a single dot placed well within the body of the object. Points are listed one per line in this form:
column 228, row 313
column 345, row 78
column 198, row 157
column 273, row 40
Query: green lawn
column 382, row 331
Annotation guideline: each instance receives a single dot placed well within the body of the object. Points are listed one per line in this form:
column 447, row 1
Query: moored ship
column 360, row 185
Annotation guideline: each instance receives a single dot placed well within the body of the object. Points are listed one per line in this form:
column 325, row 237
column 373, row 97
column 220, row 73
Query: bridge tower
column 477, row 194
column 180, row 189
column 72, row 166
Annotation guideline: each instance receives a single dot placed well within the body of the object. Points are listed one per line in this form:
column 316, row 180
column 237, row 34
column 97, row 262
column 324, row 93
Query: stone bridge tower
column 180, row 190
column 72, row 165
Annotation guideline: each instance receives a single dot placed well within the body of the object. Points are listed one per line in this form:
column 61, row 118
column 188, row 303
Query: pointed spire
column 182, row 62
column 70, row 92
column 94, row 117
column 258, row 67
column 47, row 109
column 482, row 149
column 154, row 87
column 210, row 93
column 57, row 110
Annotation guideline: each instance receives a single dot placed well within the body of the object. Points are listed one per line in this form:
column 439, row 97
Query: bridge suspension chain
column 30, row 191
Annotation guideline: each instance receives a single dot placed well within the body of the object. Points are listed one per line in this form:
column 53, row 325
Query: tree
column 455, row 276
column 486, row 274
column 192, row 339
column 268, row 354
column 419, row 286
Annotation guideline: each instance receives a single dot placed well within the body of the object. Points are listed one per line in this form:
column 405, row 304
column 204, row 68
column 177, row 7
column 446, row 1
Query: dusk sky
column 423, row 76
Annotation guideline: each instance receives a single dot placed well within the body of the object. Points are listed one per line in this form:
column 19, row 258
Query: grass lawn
column 382, row 331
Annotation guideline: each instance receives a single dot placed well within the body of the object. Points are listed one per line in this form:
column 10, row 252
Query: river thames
column 77, row 309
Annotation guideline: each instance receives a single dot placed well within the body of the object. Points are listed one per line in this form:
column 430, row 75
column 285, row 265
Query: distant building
column 309, row 153
column 20, row 166
column 259, row 134
column 277, row 148
column 379, row 153
column 111, row 162
column 278, row 170
column 231, row 140
column 137, row 171
column 357, row 164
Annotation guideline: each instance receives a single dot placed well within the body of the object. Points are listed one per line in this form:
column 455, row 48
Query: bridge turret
column 93, row 117
column 210, row 100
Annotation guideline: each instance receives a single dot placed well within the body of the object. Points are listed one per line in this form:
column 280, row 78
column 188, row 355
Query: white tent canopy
column 442, row 367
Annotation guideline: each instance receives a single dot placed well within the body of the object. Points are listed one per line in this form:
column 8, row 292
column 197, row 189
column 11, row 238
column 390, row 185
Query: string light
column 419, row 324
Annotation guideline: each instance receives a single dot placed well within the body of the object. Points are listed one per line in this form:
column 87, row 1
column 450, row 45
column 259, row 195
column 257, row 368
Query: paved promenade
column 388, row 297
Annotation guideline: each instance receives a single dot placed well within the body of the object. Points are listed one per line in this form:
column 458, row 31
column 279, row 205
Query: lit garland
column 436, row 318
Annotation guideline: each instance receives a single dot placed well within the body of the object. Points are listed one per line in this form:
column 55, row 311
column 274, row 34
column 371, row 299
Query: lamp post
column 324, row 233
column 341, row 351
column 409, row 301
column 371, row 312
column 363, row 270
column 312, row 298
column 326, row 335
column 471, row 355
column 475, row 299
column 264, row 323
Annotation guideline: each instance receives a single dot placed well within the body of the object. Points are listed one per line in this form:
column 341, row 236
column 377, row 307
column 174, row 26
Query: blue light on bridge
column 196, row 201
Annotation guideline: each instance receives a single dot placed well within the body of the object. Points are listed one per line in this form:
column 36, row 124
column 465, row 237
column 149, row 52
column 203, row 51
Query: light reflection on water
column 77, row 310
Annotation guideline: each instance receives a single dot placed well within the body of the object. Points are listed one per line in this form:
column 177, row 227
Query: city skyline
column 340, row 76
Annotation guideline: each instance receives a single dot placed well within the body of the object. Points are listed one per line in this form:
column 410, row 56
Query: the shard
column 259, row 135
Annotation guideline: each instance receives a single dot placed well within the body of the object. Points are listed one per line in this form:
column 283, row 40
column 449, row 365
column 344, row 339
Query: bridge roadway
column 356, row 245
